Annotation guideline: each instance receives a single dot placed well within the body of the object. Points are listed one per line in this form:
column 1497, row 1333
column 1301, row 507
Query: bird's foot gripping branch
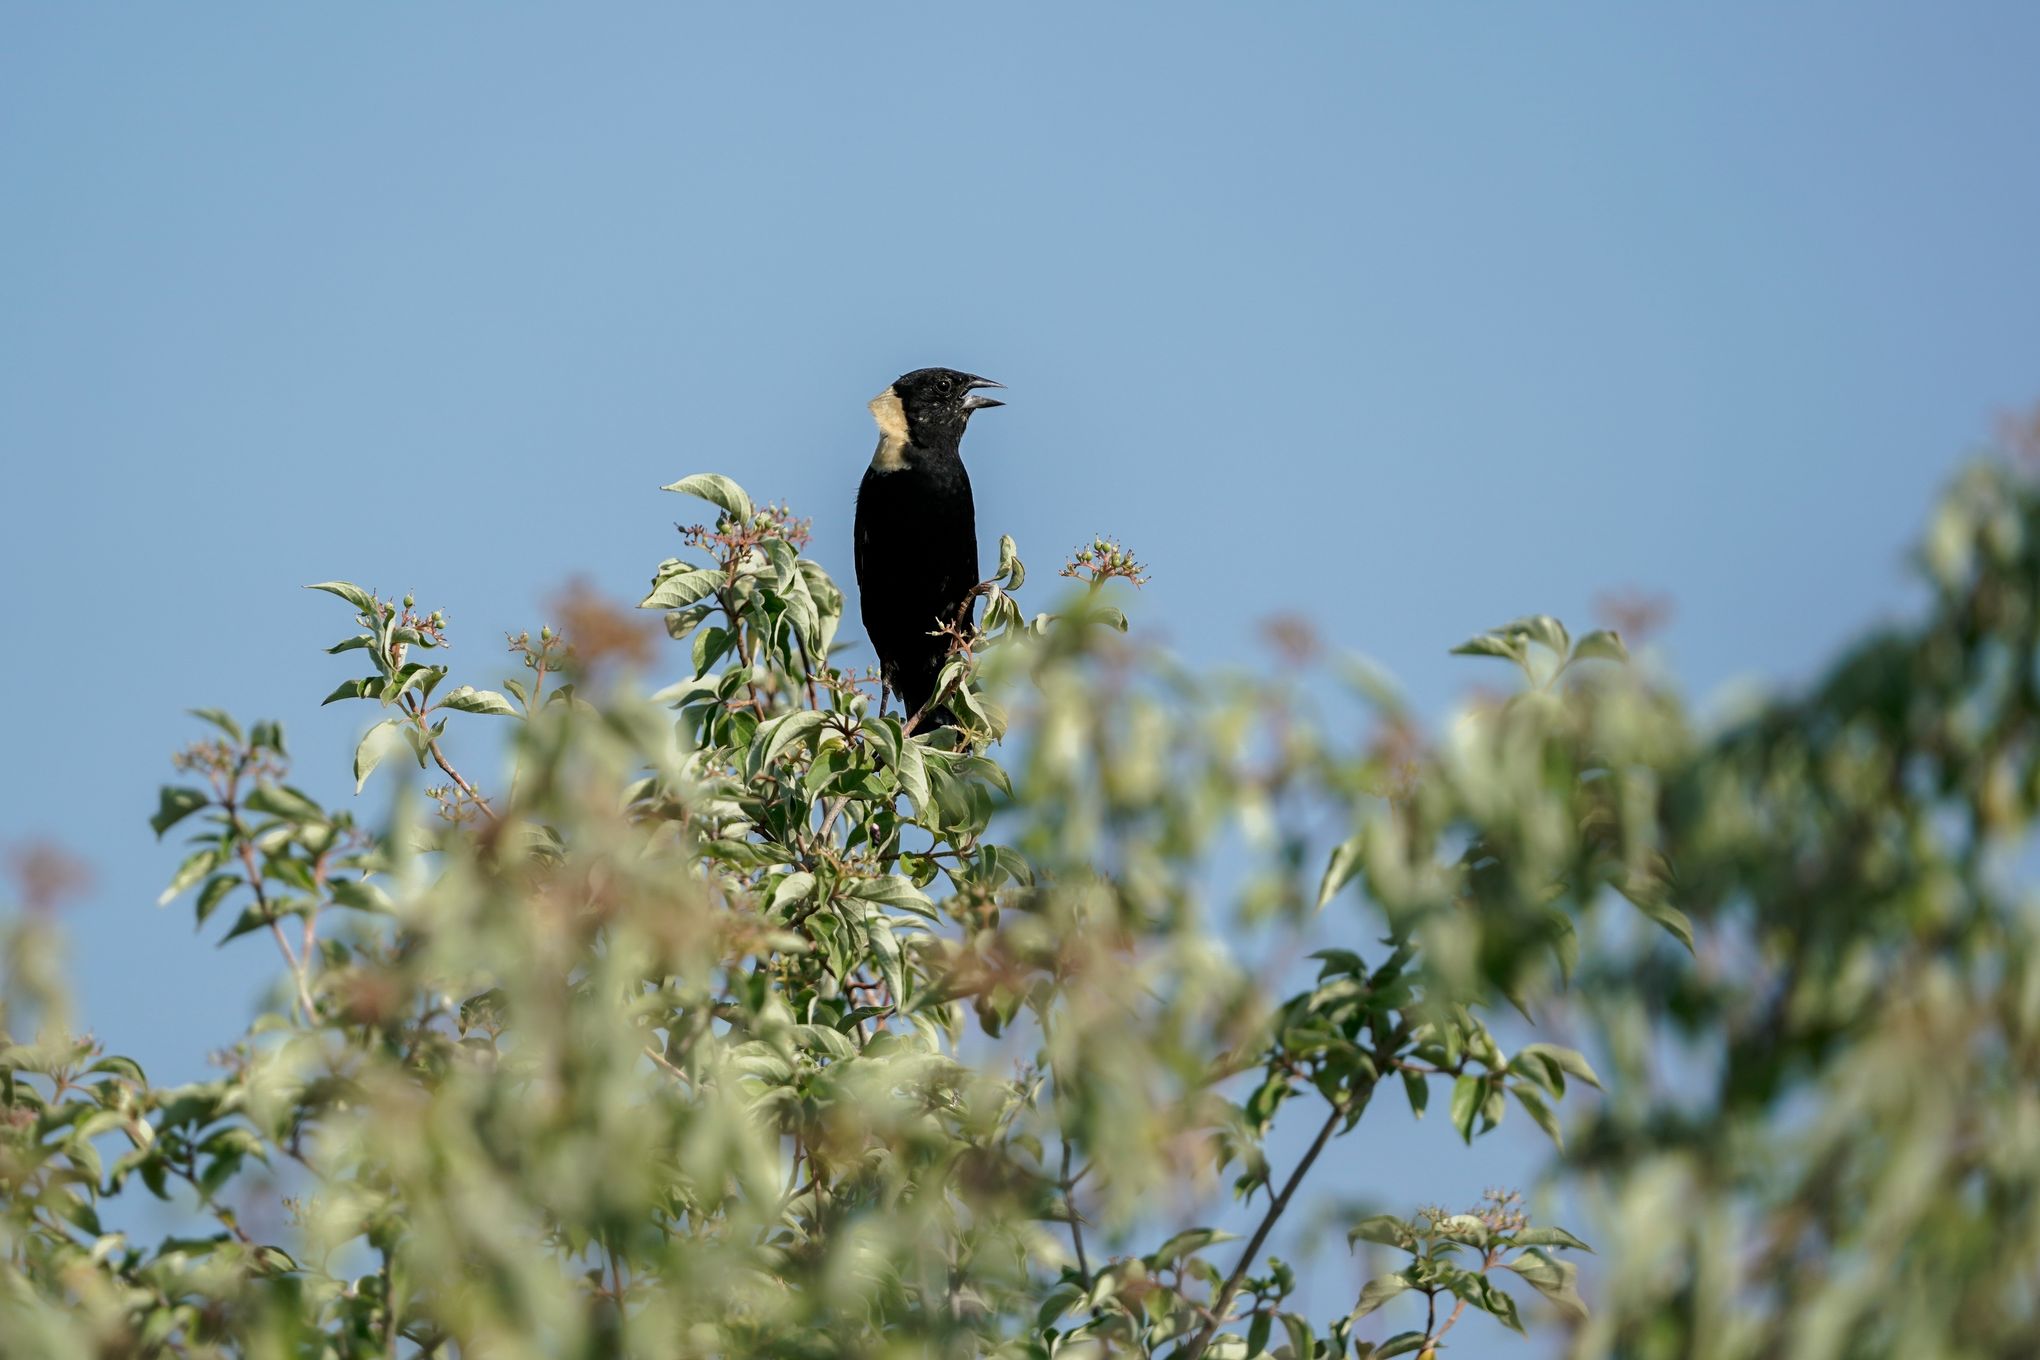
column 741, row 1019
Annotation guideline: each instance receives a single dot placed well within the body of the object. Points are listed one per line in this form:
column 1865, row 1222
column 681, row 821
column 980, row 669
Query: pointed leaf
column 1567, row 1060
column 220, row 719
column 468, row 699
column 885, row 948
column 1603, row 644
column 717, row 490
column 376, row 743
column 1467, row 1092
column 351, row 593
column 280, row 800
column 368, row 687
column 1386, row 1229
column 1379, row 1291
column 794, row 887
column 1675, row 922
column 174, row 804
column 912, row 769
column 1542, row 629
column 682, row 588
column 1534, row 1105
column 1487, row 644
column 195, row 867
column 1345, row 862
column 1188, row 1243
column 775, row 736
column 1556, row 1280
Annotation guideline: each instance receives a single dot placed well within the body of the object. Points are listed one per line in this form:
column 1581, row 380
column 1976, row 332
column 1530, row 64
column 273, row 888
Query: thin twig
column 1224, row 1297
column 439, row 757
column 664, row 1064
column 1069, row 1188
column 247, row 849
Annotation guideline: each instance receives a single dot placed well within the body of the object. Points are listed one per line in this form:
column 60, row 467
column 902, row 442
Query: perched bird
column 917, row 559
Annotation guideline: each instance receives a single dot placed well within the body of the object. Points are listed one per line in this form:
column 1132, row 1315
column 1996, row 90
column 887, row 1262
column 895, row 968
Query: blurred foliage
column 737, row 1019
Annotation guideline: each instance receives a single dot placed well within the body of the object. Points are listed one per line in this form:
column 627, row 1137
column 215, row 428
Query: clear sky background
column 1410, row 318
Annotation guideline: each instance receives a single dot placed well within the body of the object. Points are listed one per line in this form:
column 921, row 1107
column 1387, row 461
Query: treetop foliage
column 738, row 1017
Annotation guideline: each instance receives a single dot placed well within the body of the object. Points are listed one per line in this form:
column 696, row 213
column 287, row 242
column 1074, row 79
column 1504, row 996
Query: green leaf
column 1188, row 1243
column 1386, row 1229
column 1417, row 1087
column 1556, row 1280
column 196, row 866
column 1675, row 922
column 885, row 948
column 1603, row 644
column 213, row 893
column 830, row 1043
column 794, row 887
column 467, row 699
column 911, row 766
column 1467, row 1093
column 412, row 675
column 893, row 891
column 1345, row 862
column 375, row 744
column 120, row 1067
column 1302, row 1345
column 710, row 645
column 683, row 588
column 1565, row 1059
column 1542, row 629
column 220, row 719
column 368, row 687
column 1058, row 1301
column 351, row 593
column 174, row 804
column 775, row 736
column 1257, row 1332
column 1498, row 1303
column 1379, row 1291
column 1468, row 1228
column 75, row 1209
column 1011, row 570
column 1003, row 860
column 1487, row 644
column 717, row 490
column 1550, row 1237
column 359, row 895
column 251, row 919
column 1402, row 1343
column 1533, row 1104
column 280, row 800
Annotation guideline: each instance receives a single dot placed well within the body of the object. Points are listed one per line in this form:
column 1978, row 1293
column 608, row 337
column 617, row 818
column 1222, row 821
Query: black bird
column 917, row 556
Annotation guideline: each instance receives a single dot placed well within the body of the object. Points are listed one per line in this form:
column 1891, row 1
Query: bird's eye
column 948, row 383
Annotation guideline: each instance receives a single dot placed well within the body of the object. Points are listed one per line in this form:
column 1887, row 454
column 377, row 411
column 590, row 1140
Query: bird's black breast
column 916, row 541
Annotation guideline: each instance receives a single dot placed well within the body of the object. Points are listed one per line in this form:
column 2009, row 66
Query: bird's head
column 932, row 405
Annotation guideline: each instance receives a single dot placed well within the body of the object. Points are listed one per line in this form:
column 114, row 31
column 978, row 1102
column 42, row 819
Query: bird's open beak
column 977, row 401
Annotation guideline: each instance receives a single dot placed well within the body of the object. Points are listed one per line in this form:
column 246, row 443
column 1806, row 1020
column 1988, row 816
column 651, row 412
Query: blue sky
column 1408, row 318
